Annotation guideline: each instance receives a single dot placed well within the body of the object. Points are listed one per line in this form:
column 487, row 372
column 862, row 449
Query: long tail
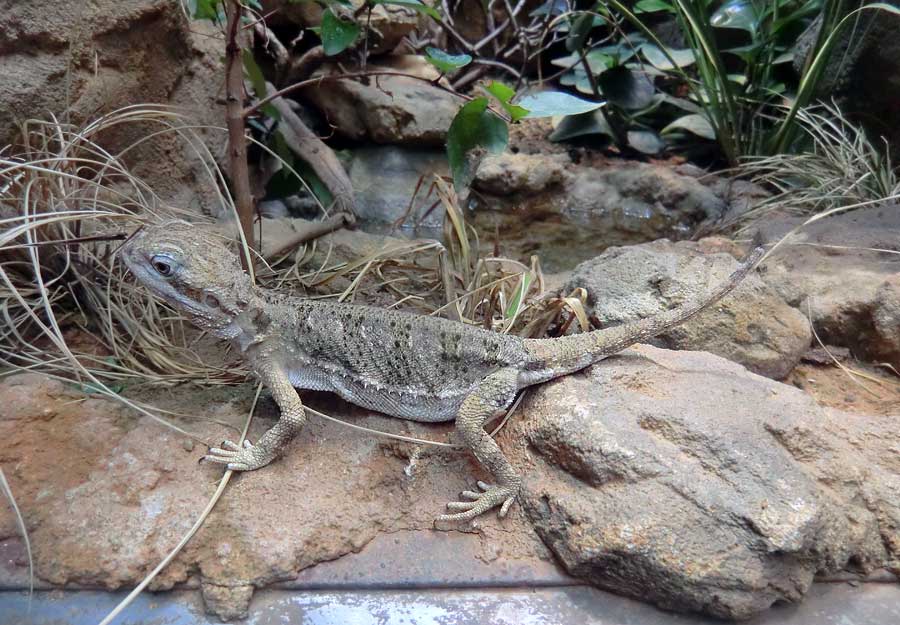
column 573, row 352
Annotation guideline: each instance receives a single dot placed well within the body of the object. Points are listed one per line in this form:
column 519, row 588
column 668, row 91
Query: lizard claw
column 490, row 497
column 237, row 458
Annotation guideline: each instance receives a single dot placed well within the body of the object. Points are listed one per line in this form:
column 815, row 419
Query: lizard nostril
column 211, row 300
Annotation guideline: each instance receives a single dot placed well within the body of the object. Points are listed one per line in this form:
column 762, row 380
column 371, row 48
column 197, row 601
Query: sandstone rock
column 106, row 493
column 387, row 109
column 508, row 173
column 80, row 60
column 227, row 602
column 389, row 24
column 681, row 479
column 832, row 271
column 753, row 326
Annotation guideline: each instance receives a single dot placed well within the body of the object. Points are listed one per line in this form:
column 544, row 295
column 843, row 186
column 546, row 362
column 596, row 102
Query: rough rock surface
column 689, row 482
column 639, row 193
column 81, row 60
column 389, row 109
column 106, row 493
column 386, row 178
column 508, row 173
column 388, row 24
column 832, row 271
column 753, row 326
column 863, row 70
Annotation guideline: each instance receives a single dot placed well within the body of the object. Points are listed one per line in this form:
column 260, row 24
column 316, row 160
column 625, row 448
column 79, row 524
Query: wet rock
column 387, row 109
column 753, row 326
column 643, row 197
column 682, row 479
column 79, row 61
column 386, row 179
column 508, row 173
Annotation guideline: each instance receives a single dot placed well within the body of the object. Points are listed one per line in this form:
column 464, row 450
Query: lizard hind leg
column 496, row 392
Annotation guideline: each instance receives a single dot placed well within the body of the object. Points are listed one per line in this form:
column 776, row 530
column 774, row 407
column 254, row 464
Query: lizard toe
column 246, row 457
column 492, row 497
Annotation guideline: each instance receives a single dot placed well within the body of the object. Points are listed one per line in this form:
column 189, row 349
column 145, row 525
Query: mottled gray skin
column 409, row 366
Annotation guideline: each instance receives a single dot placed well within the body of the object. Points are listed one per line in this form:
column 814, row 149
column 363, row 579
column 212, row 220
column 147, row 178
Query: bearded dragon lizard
column 414, row 367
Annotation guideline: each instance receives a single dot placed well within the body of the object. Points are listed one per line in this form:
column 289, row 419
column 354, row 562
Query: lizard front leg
column 496, row 392
column 269, row 446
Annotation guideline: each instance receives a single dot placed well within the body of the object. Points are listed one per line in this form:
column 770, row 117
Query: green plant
column 741, row 96
column 839, row 167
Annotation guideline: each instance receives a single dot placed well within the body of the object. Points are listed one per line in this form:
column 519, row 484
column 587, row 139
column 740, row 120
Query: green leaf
column 578, row 33
column 592, row 123
column 784, row 57
column 473, row 127
column 504, row 95
column 515, row 303
column 552, row 103
column 254, row 74
column 446, row 62
column 258, row 81
column 628, row 89
column 739, row 14
column 656, row 57
column 645, row 141
column 337, row 33
column 206, row 10
column 652, row 6
column 695, row 123
column 415, row 5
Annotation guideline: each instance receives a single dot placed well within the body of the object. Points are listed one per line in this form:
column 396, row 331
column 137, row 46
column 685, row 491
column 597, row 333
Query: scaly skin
column 409, row 366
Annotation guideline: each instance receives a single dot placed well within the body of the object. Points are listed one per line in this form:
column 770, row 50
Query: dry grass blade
column 842, row 168
column 23, row 530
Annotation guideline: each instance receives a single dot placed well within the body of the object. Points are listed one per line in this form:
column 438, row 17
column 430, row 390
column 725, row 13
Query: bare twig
column 237, row 144
column 321, row 158
column 315, row 230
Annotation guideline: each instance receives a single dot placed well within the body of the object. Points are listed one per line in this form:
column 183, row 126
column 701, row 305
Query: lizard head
column 192, row 270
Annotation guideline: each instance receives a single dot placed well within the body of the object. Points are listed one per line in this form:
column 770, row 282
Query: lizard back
column 406, row 365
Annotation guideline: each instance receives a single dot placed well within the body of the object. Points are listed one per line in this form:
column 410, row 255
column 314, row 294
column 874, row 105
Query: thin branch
column 237, row 144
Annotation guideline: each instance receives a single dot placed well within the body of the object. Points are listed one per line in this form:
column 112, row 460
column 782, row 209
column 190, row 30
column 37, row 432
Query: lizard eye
column 162, row 265
column 211, row 300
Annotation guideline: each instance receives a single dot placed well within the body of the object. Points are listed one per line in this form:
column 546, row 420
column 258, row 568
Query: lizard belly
column 413, row 407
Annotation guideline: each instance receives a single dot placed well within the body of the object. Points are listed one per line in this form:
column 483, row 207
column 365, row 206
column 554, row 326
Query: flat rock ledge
column 682, row 479
column 678, row 478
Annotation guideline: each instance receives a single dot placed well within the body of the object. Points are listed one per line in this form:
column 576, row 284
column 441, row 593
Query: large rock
column 387, row 109
column 753, row 325
column 386, row 179
column 642, row 196
column 79, row 60
column 509, row 173
column 388, row 24
column 833, row 271
column 682, row 479
column 106, row 494
column 862, row 71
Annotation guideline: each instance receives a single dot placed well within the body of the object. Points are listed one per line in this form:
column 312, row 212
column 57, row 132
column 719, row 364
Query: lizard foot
column 480, row 502
column 237, row 458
